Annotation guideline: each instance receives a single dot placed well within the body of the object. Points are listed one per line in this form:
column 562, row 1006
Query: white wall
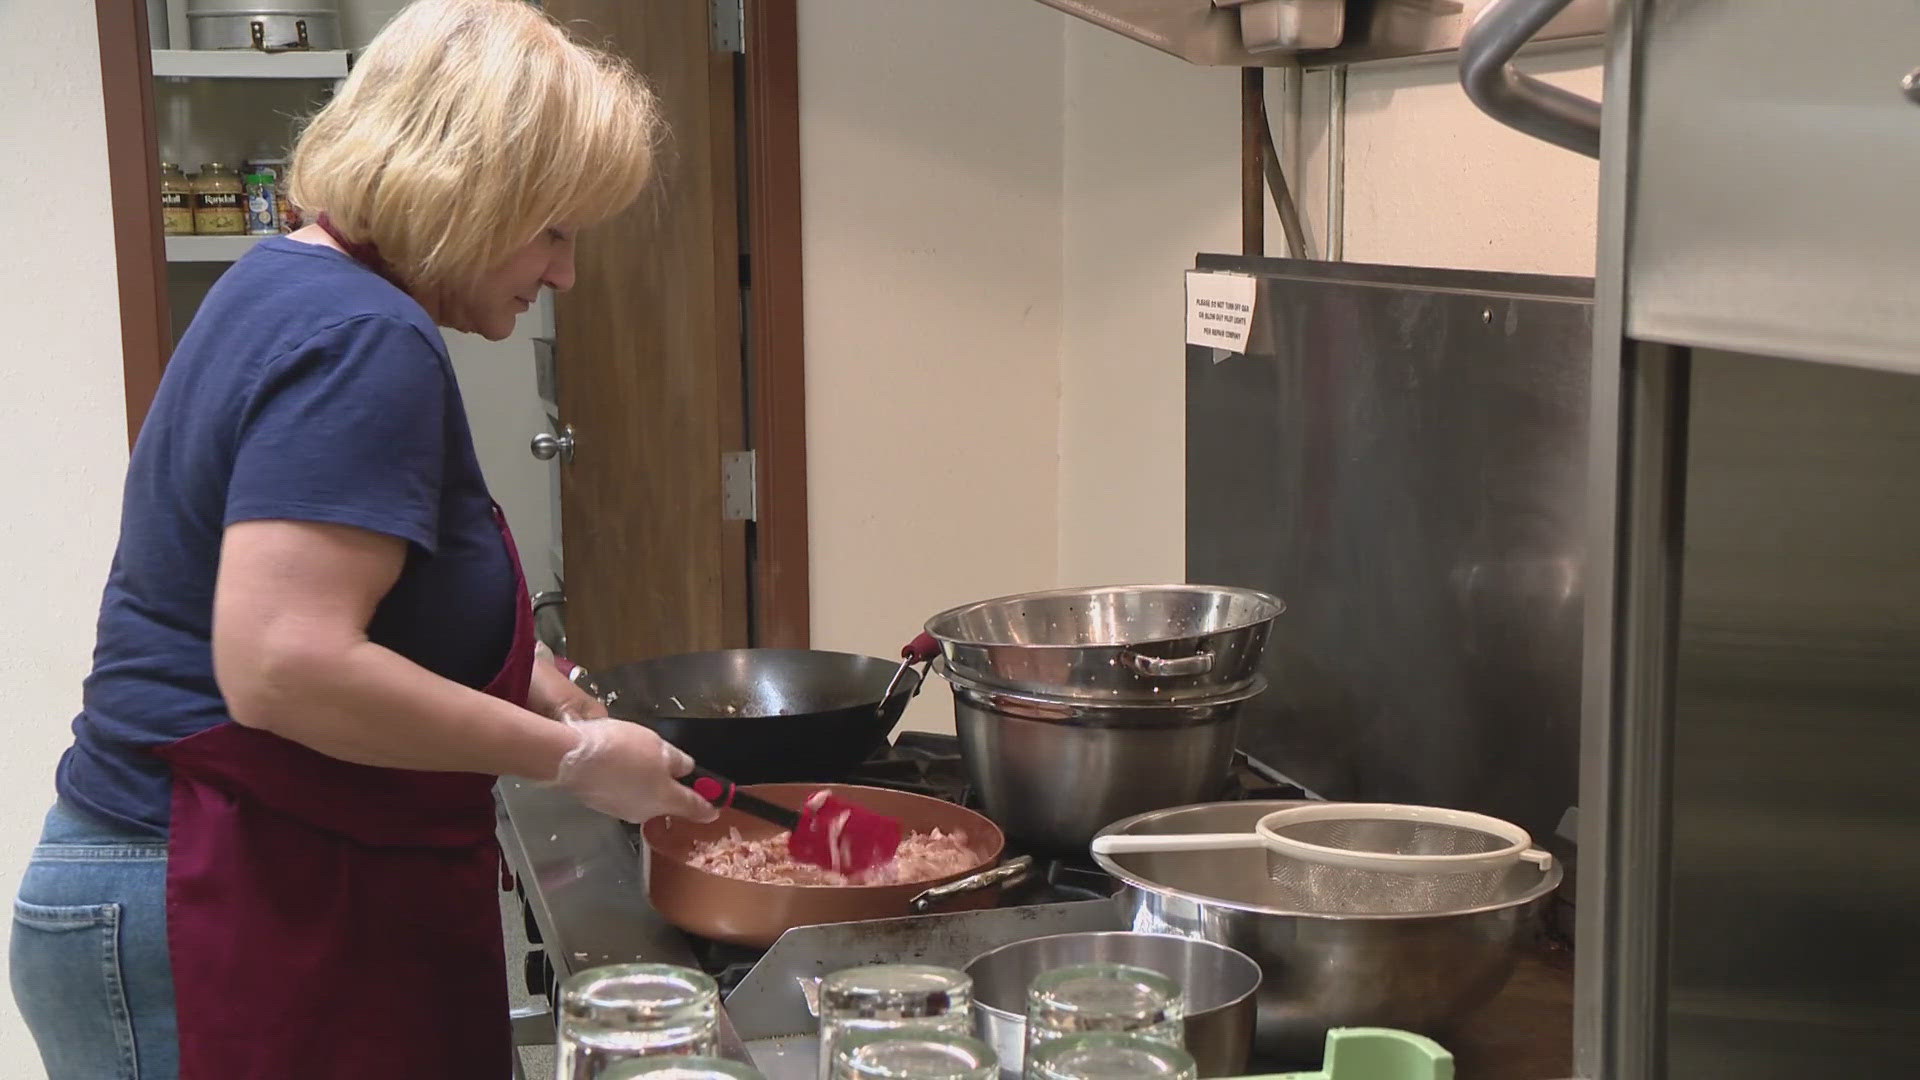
column 1152, row 176
column 1431, row 181
column 931, row 162
column 62, row 418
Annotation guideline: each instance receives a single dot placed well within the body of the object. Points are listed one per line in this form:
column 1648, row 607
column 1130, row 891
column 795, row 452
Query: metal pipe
column 1292, row 94
column 1253, row 200
column 1337, row 162
column 1282, row 194
column 1522, row 102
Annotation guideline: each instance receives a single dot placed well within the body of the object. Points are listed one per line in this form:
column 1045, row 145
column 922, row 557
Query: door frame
column 777, row 408
column 775, row 343
column 133, row 171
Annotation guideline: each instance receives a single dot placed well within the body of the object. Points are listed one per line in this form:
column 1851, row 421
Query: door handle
column 547, row 446
column 1523, row 102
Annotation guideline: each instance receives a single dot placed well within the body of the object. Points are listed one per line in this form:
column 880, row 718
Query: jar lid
column 216, row 166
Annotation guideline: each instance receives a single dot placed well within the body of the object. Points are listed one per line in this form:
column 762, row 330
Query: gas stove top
column 929, row 764
column 576, row 868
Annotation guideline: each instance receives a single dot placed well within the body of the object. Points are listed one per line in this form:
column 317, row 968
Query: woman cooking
column 272, row 854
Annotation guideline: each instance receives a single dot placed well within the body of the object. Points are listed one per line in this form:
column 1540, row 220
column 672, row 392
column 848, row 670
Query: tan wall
column 62, row 417
column 931, row 172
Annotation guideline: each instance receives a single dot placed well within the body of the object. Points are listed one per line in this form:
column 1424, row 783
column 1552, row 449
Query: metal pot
column 1423, row 973
column 756, row 914
column 1219, row 984
column 1053, row 773
column 263, row 24
column 1150, row 644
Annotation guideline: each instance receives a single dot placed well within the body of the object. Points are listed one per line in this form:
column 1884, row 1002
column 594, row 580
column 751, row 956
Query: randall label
column 176, row 213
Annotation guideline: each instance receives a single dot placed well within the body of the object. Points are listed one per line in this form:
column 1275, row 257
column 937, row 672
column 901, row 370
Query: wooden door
column 648, row 346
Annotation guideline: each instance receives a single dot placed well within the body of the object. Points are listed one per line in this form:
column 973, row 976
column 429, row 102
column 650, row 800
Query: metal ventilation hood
column 1251, row 33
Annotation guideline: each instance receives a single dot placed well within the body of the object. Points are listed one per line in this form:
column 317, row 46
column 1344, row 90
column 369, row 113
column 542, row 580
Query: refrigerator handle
column 1519, row 101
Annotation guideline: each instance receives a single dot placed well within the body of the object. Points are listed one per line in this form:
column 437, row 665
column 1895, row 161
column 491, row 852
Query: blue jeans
column 89, row 957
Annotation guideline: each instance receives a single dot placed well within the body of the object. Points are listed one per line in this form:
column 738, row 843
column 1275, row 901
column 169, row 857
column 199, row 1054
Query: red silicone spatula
column 827, row 831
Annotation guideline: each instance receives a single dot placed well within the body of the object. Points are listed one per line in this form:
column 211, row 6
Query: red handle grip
column 712, row 787
column 921, row 649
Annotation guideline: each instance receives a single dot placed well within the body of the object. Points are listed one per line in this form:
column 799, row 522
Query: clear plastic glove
column 626, row 771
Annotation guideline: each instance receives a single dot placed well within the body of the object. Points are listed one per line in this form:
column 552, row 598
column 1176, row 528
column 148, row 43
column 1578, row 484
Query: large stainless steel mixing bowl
column 1219, row 984
column 1123, row 643
column 1053, row 773
column 1421, row 973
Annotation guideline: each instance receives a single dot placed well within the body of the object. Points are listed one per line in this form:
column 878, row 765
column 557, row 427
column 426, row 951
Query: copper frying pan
column 755, row 914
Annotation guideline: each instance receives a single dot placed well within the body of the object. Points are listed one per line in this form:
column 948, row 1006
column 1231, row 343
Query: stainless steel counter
column 586, row 885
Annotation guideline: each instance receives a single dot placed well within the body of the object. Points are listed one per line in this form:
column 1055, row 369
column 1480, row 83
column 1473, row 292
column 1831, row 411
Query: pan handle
column 1007, row 873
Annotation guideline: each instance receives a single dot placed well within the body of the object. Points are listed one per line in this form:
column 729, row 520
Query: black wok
column 761, row 716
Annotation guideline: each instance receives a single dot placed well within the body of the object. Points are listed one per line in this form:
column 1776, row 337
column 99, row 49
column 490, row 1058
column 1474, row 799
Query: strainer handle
column 1128, row 844
column 1541, row 859
column 1161, row 667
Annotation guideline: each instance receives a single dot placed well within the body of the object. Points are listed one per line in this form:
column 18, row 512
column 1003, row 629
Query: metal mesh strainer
column 1369, row 858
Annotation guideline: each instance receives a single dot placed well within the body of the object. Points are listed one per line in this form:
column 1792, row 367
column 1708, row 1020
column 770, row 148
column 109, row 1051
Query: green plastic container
column 1377, row 1054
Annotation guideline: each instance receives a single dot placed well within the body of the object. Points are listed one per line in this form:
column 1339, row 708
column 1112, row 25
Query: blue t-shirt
column 308, row 388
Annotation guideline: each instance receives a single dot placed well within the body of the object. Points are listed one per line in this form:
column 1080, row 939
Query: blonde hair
column 466, row 128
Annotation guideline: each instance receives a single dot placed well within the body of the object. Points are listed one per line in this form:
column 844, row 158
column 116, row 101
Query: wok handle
column 723, row 793
column 1007, row 873
column 1160, row 667
column 920, row 650
column 579, row 677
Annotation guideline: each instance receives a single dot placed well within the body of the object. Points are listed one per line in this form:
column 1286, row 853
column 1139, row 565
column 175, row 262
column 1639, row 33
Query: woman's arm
column 290, row 651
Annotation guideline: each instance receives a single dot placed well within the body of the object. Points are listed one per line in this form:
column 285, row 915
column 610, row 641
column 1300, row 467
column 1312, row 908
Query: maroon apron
column 327, row 919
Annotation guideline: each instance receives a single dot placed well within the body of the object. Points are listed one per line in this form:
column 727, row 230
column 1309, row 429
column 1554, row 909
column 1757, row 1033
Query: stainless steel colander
column 1368, row 858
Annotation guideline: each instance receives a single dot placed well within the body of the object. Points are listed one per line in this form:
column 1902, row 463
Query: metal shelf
column 248, row 64
column 209, row 248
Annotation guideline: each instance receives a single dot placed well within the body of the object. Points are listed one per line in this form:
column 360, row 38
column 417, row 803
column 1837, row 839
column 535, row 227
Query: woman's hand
column 628, row 772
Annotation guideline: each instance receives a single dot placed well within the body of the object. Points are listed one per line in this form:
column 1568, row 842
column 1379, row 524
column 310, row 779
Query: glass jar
column 626, row 1012
column 218, row 201
column 1118, row 998
column 1103, row 1055
column 892, row 997
column 285, row 219
column 263, row 211
column 176, row 200
column 913, row 1054
column 683, row 1068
